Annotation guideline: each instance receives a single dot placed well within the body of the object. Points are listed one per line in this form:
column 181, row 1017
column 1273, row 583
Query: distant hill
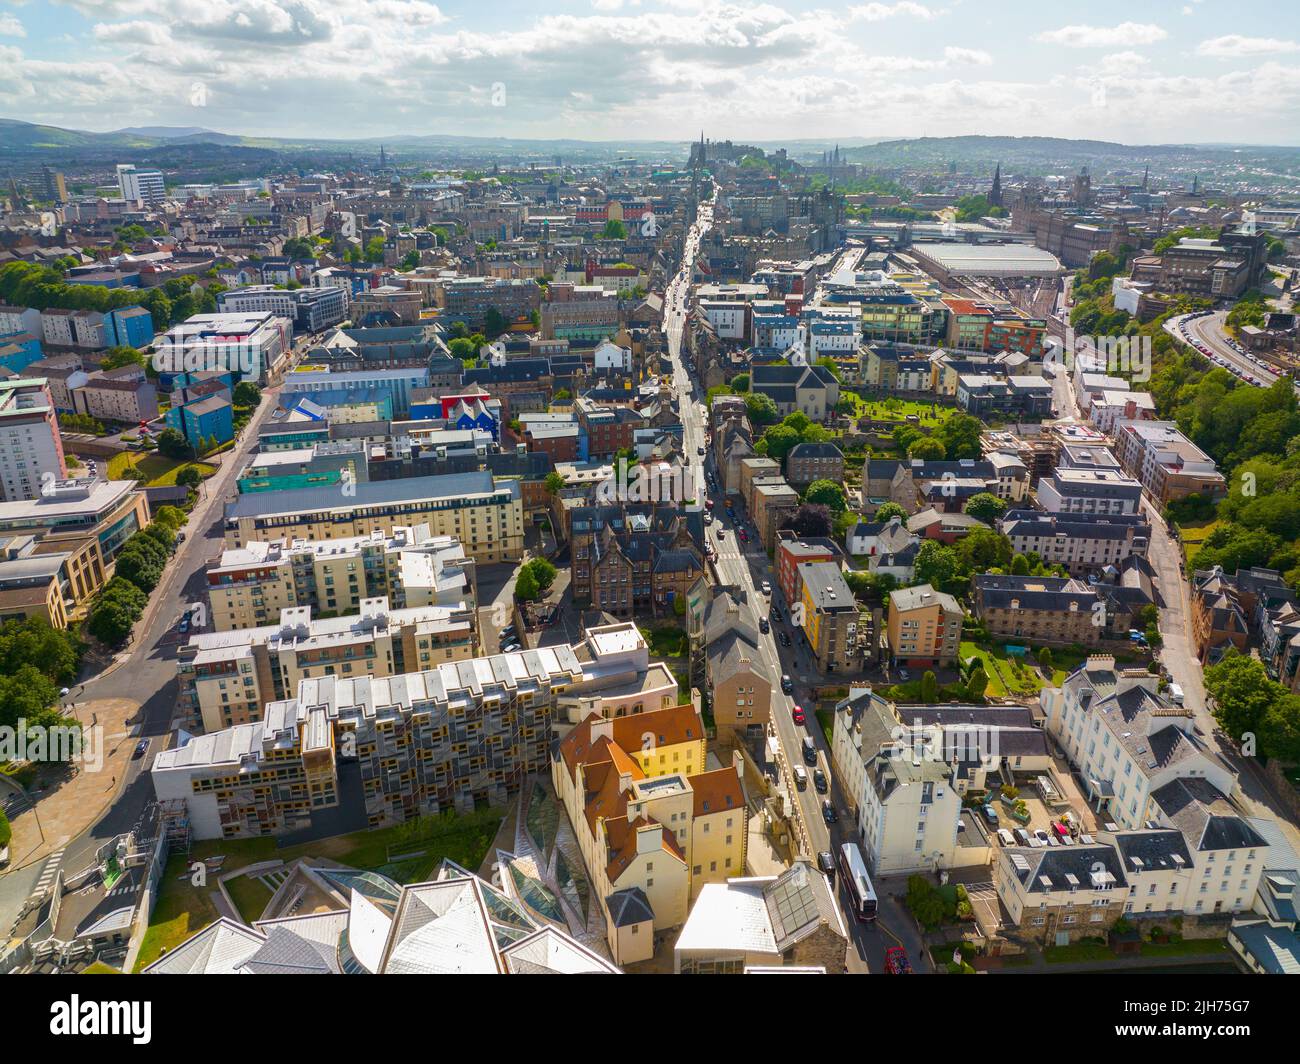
column 162, row 132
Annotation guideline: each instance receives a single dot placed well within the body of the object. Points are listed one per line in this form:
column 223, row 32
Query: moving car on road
column 828, row 812
column 787, row 684
column 796, row 714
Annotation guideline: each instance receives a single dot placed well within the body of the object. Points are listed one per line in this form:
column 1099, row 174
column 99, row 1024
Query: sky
column 1138, row 73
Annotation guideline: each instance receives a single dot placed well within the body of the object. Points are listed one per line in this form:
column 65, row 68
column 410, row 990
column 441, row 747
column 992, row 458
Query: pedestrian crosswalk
column 48, row 873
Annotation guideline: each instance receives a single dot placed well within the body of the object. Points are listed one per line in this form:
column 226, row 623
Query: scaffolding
column 175, row 824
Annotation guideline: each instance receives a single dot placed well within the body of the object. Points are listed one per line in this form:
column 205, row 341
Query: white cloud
column 1234, row 46
column 976, row 56
column 11, row 27
column 1120, row 62
column 1129, row 33
column 880, row 12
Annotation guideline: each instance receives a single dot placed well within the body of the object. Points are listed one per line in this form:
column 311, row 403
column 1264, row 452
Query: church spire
column 995, row 193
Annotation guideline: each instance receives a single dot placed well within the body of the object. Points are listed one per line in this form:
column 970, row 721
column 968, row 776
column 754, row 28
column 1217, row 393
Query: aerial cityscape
column 649, row 488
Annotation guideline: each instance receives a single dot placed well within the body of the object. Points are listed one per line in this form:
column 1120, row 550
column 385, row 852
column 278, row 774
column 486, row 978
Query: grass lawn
column 251, row 897
column 183, row 909
column 890, row 408
column 1194, row 534
column 159, row 470
column 1091, row 951
column 1078, row 951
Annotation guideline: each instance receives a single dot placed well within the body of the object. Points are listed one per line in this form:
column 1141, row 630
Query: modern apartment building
column 123, row 395
column 140, row 186
column 923, row 626
column 107, row 512
column 1168, row 464
column 831, row 618
column 31, row 449
column 227, row 676
column 452, row 736
column 308, row 309
column 249, row 586
column 1089, row 491
column 648, row 813
column 486, row 517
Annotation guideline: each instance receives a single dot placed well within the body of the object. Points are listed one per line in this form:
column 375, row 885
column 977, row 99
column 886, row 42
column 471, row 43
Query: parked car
column 796, row 714
column 140, row 748
column 828, row 812
column 1005, row 837
column 801, row 777
column 764, row 625
column 1022, row 836
column 787, row 684
column 826, row 863
column 785, row 642
column 767, row 587
column 1041, row 835
column 809, row 751
column 699, row 451
column 819, row 781
column 990, row 814
column 903, row 674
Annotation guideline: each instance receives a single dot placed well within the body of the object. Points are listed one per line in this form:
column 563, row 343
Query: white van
column 1005, row 837
column 1175, row 694
column 801, row 777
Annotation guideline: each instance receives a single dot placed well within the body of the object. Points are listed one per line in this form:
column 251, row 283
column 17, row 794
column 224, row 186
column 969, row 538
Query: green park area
column 158, row 470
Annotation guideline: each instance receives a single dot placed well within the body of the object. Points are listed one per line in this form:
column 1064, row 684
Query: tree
column 809, row 520
column 410, row 260
column 526, row 588
column 779, row 441
column 614, row 230
column 890, row 509
column 1020, row 565
column 189, row 476
column 826, row 493
column 554, row 483
column 977, row 683
column 1242, row 694
column 927, row 449
column 1045, row 658
column 34, row 641
column 983, row 549
column 960, row 436
column 6, row 832
column 26, row 695
column 494, row 323
column 740, row 383
column 936, row 565
column 116, row 357
column 761, row 409
column 375, row 249
column 986, row 506
column 543, row 572
column 172, row 517
column 246, row 393
column 171, row 444
column 929, row 687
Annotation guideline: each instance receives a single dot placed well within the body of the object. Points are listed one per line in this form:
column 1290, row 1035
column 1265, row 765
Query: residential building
column 807, row 462
column 486, row 517
column 923, row 626
column 1169, row 466
column 460, row 733
column 1090, row 491
column 226, row 677
column 738, row 681
column 635, row 557
column 31, row 449
column 105, row 512
column 1058, row 611
column 140, row 186
column 1126, row 740
column 249, row 586
column 831, row 619
column 647, row 812
column 123, row 395
column 1055, row 895
column 203, row 420
column 1084, row 544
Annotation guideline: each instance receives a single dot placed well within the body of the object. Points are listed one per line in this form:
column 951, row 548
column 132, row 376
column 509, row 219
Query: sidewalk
column 74, row 802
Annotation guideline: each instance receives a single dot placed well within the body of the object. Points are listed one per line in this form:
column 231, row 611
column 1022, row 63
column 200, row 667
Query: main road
column 744, row 565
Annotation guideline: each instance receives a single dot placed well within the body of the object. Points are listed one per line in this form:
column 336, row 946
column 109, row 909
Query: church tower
column 995, row 193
